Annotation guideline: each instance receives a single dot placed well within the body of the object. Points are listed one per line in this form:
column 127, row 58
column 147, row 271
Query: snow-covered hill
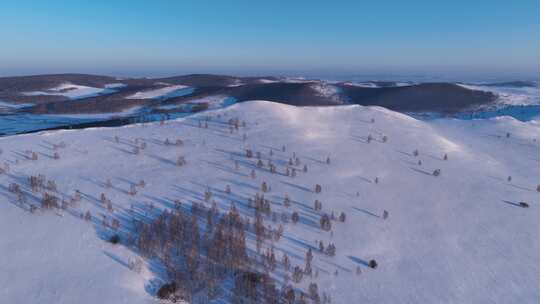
column 459, row 237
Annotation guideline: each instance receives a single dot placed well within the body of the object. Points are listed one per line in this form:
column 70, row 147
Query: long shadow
column 125, row 180
column 435, row 157
column 366, row 212
column 298, row 187
column 116, row 258
column 409, row 163
column 421, row 171
column 404, row 153
column 270, row 147
column 224, row 168
column 367, row 180
column 497, row 178
column 121, row 141
column 50, row 148
column 241, row 184
column 166, row 202
column 157, row 142
column 230, row 153
column 162, row 159
column 123, row 150
column 24, row 156
column 302, row 243
column 197, row 196
column 521, row 188
column 94, row 182
column 336, row 265
column 315, row 160
column 511, row 203
column 359, row 139
column 358, row 260
column 46, row 155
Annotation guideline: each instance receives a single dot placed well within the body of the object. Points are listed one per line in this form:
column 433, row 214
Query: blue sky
column 269, row 37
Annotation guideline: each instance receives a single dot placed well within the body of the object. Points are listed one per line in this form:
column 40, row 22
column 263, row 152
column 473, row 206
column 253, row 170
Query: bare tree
column 342, row 217
column 295, row 217
column 181, row 161
column 132, row 190
column 287, row 201
column 298, row 274
column 49, row 201
column 325, row 222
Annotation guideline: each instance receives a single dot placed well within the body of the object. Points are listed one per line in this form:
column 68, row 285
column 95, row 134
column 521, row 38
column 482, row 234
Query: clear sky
column 158, row 37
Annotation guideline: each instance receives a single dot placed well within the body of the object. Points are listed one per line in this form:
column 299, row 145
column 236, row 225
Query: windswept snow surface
column 74, row 91
column 162, row 93
column 456, row 238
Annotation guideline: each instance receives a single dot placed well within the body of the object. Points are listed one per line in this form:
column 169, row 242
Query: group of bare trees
column 199, row 259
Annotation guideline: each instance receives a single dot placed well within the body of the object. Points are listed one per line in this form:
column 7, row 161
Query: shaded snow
column 24, row 122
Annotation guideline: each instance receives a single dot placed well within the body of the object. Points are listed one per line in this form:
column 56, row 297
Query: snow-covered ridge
column 75, row 91
column 455, row 238
column 510, row 95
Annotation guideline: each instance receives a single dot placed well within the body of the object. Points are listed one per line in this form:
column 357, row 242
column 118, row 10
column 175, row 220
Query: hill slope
column 456, row 238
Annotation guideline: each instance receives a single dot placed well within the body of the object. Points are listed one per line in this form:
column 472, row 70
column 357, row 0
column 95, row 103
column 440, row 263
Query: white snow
column 264, row 80
column 362, row 84
column 297, row 80
column 157, row 93
column 329, row 91
column 456, row 238
column 375, row 85
column 75, row 91
column 115, row 85
column 514, row 96
column 236, row 83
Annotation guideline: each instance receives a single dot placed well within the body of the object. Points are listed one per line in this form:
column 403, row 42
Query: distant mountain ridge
column 43, row 92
